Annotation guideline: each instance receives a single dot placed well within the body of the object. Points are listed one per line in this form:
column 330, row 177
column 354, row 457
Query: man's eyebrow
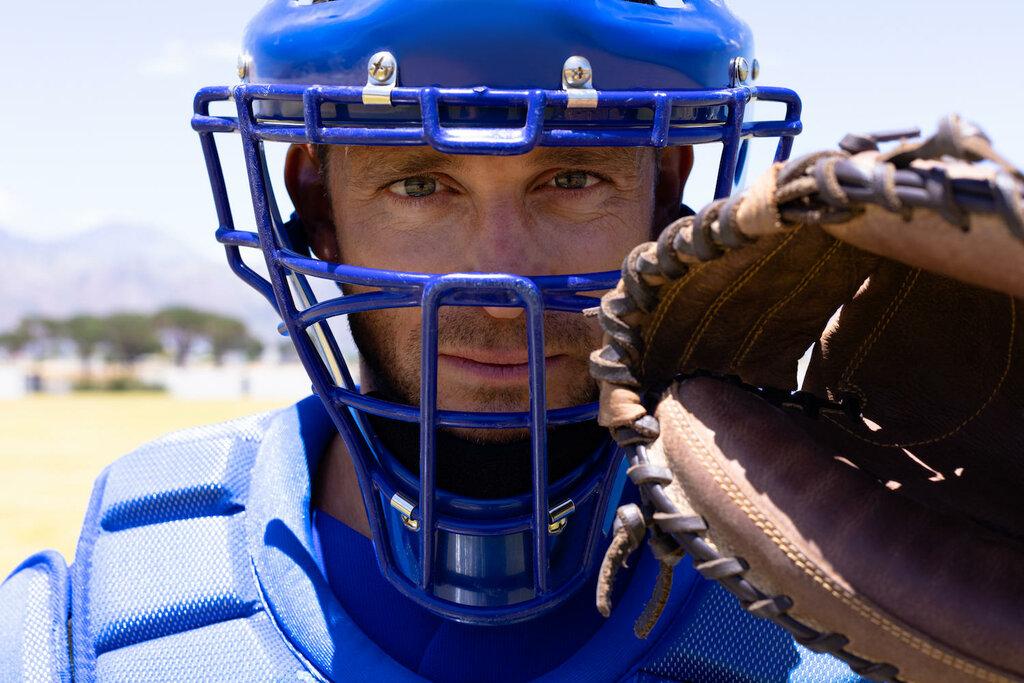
column 381, row 164
column 607, row 157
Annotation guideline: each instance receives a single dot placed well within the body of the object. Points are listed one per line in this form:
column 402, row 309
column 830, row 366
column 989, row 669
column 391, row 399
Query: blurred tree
column 182, row 327
column 130, row 336
column 87, row 333
column 38, row 335
column 228, row 334
column 15, row 341
column 126, row 337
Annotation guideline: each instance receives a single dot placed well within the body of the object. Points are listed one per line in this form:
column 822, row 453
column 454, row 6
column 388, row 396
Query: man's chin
column 504, row 402
column 484, row 437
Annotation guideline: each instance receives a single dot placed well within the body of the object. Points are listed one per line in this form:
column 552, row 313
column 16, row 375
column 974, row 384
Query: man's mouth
column 489, row 365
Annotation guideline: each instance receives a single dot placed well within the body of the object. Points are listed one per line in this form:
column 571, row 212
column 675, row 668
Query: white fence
column 259, row 381
column 13, row 381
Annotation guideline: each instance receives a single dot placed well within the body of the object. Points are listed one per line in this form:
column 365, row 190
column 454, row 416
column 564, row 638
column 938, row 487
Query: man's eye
column 414, row 187
column 574, row 180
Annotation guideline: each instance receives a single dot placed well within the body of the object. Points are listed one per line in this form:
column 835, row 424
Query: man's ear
column 673, row 170
column 305, row 185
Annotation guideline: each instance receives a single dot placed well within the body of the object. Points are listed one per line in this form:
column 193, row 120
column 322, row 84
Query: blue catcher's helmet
column 473, row 77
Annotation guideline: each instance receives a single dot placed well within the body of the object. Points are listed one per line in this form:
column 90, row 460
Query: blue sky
column 98, row 94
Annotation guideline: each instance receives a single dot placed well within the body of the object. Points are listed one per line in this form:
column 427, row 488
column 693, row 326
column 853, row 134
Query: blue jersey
column 200, row 559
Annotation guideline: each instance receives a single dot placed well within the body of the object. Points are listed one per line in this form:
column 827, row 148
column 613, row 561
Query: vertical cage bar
column 295, row 284
column 255, row 163
column 428, row 429
column 226, row 221
column 256, row 169
column 793, row 113
column 534, row 303
column 222, row 202
column 536, row 103
column 312, row 99
column 216, row 172
column 662, row 119
column 731, row 142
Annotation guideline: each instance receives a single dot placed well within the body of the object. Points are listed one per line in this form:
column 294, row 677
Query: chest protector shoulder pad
column 33, row 621
column 162, row 585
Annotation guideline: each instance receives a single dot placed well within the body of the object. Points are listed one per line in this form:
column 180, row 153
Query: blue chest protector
column 197, row 562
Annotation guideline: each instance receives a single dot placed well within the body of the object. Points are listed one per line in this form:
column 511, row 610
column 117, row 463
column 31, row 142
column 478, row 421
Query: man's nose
column 505, row 241
column 503, row 313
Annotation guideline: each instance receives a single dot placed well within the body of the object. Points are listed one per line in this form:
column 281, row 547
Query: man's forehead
column 411, row 160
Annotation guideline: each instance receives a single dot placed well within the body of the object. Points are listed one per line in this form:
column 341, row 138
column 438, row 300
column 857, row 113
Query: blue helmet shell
column 472, row 77
column 501, row 45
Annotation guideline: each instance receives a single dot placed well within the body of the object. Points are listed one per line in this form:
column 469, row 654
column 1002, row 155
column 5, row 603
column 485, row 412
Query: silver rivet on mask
column 577, row 73
column 244, row 62
column 382, row 67
column 740, row 70
column 578, row 83
column 755, row 70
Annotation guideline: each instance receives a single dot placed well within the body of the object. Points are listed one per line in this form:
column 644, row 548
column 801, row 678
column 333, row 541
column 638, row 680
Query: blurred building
column 269, row 378
column 14, row 381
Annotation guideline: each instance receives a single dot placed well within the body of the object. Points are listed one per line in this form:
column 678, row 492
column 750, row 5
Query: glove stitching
column 712, row 312
column 762, row 323
column 957, row 429
column 662, row 310
column 846, row 383
column 808, row 567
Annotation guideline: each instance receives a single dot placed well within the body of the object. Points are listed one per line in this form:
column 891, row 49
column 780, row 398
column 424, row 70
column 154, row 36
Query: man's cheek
column 387, row 240
column 402, row 333
column 385, row 332
column 604, row 246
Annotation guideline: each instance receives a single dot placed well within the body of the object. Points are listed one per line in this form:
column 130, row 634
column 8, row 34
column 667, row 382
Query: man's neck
column 336, row 488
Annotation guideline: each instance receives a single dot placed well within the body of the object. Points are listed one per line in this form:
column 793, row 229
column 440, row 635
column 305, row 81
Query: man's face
column 552, row 211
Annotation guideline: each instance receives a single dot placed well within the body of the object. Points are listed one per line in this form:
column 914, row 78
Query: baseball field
column 53, row 447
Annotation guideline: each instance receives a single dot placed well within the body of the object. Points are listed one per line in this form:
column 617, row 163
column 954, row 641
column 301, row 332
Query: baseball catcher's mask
column 876, row 514
column 472, row 78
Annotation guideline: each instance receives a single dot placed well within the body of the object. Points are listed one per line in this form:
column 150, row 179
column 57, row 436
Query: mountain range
column 123, row 268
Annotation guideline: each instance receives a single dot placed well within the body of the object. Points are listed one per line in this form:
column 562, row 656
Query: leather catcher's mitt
column 878, row 514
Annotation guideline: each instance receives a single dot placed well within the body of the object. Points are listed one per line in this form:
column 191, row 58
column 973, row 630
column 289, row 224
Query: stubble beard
column 393, row 361
column 479, row 463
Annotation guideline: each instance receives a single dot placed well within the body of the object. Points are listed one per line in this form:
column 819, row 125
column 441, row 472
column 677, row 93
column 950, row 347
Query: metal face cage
column 479, row 561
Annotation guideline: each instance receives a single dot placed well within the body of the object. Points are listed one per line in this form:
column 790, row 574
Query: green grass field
column 53, row 447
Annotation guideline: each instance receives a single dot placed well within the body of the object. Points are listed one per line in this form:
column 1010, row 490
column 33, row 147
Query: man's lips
column 492, row 365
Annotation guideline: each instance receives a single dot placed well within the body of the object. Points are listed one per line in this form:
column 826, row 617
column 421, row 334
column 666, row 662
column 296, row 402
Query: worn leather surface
column 987, row 254
column 937, row 369
column 924, row 591
column 754, row 311
column 936, row 365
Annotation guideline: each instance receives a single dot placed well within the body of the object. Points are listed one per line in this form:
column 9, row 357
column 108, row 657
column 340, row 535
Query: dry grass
column 53, row 447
